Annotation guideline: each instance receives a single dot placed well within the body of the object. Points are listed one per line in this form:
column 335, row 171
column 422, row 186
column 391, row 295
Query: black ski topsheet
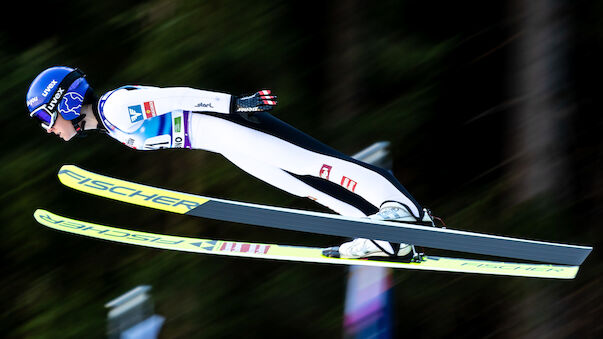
column 321, row 223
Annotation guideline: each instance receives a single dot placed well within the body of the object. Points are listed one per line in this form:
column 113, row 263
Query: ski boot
column 365, row 248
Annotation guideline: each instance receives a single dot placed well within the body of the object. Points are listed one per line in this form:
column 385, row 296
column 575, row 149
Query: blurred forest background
column 492, row 108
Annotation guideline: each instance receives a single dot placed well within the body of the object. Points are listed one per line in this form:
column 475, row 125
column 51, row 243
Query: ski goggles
column 46, row 117
column 47, row 113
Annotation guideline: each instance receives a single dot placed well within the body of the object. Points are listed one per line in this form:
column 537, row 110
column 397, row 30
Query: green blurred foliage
column 427, row 73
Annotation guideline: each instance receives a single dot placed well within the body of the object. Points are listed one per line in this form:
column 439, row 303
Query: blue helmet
column 57, row 90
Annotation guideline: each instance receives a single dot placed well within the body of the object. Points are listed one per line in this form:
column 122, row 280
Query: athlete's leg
column 262, row 139
column 285, row 181
column 307, row 172
column 295, row 186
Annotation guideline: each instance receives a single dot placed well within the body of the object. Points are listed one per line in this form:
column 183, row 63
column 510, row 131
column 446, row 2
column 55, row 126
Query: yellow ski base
column 294, row 253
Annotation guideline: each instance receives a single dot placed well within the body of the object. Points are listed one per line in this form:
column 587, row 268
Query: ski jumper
column 150, row 118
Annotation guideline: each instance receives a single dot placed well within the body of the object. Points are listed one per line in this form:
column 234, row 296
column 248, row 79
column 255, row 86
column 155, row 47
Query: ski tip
column 69, row 173
column 67, row 167
column 38, row 214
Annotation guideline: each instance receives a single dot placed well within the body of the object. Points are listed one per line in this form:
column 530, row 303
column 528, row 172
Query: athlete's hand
column 260, row 101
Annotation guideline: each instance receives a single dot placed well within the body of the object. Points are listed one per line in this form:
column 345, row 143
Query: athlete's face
column 63, row 128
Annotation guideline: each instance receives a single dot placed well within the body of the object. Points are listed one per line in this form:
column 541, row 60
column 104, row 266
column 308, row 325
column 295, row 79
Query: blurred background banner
column 131, row 315
column 492, row 111
column 368, row 309
column 368, row 301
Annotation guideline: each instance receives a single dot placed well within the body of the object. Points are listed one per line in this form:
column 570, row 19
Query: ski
column 294, row 253
column 321, row 223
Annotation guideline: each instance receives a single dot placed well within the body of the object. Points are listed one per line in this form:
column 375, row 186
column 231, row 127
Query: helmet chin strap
column 79, row 124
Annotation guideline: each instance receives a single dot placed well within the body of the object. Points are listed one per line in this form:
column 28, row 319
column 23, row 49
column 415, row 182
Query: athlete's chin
column 67, row 137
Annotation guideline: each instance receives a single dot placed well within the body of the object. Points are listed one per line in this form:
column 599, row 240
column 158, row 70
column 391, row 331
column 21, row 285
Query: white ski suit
column 150, row 118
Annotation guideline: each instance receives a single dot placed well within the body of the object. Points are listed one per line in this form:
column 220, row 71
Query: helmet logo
column 49, row 87
column 72, row 103
column 55, row 99
column 32, row 101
